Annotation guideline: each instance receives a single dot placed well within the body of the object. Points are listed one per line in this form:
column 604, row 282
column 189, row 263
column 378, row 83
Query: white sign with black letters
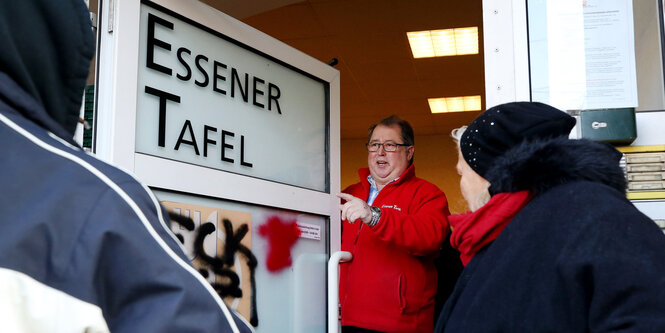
column 208, row 100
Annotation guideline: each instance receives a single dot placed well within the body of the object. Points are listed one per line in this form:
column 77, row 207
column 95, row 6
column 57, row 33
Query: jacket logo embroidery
column 392, row 206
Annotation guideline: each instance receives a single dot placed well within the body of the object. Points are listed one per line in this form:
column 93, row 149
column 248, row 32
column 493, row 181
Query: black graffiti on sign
column 184, row 222
column 221, row 265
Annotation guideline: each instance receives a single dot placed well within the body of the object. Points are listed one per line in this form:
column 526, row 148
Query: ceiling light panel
column 455, row 104
column 437, row 105
column 421, row 44
column 444, row 42
column 466, row 40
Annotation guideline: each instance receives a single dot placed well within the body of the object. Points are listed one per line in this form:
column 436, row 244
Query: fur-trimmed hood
column 540, row 165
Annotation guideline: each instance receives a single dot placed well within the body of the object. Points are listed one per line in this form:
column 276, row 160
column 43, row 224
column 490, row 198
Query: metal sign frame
column 116, row 100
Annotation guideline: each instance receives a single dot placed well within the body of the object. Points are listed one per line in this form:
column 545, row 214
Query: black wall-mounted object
column 615, row 126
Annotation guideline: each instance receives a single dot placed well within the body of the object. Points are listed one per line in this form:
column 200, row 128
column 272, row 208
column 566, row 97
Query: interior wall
column 648, row 61
column 435, row 159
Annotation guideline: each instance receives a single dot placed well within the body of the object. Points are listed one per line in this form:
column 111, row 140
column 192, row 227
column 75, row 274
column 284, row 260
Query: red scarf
column 473, row 230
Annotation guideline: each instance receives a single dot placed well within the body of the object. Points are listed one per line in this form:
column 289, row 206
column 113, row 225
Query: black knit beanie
column 504, row 126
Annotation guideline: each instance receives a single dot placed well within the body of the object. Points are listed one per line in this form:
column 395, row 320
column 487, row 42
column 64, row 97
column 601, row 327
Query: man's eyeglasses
column 387, row 146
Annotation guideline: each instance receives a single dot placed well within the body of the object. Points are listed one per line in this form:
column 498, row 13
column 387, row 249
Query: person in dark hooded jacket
column 551, row 243
column 84, row 247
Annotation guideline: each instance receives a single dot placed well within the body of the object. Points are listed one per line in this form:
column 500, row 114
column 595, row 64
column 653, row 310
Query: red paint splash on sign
column 281, row 237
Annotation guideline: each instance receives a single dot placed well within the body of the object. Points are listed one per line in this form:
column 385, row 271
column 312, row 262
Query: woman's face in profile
column 472, row 185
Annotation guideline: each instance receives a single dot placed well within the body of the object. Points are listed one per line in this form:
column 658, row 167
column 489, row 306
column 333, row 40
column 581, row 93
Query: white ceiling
column 378, row 75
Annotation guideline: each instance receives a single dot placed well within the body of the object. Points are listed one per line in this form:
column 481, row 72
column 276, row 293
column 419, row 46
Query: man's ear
column 409, row 152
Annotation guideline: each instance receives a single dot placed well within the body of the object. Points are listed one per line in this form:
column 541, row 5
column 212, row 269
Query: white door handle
column 333, row 288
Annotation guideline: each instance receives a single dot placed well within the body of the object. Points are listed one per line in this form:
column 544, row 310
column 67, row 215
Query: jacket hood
column 540, row 165
column 46, row 50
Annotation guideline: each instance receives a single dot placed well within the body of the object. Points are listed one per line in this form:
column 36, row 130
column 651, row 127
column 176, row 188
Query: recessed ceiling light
column 466, row 40
column 454, row 104
column 445, row 42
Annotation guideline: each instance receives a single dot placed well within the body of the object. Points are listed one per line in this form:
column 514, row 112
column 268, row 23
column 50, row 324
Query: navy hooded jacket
column 83, row 245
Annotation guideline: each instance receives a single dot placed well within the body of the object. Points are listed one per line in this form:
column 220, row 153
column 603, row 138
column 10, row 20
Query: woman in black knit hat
column 551, row 243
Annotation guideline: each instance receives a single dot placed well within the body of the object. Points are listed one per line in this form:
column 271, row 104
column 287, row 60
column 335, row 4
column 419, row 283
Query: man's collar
column 408, row 173
column 372, row 183
column 363, row 173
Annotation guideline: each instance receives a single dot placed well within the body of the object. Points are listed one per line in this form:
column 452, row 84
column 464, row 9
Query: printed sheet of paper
column 583, row 53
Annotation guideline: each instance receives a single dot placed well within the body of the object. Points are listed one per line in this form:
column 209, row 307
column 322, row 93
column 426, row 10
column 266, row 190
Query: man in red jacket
column 395, row 226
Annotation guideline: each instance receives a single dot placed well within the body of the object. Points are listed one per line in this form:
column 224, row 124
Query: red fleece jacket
column 391, row 282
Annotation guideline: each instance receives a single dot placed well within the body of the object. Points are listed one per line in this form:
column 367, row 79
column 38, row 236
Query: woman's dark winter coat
column 578, row 258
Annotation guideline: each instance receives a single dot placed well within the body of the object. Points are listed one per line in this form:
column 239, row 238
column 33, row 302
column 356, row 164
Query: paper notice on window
column 609, row 43
column 589, row 54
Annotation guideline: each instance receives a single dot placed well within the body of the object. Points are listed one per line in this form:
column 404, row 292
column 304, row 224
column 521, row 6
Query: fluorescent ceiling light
column 446, row 42
column 454, row 104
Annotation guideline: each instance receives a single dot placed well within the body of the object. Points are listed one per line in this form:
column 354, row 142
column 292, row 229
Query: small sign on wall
column 309, row 231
